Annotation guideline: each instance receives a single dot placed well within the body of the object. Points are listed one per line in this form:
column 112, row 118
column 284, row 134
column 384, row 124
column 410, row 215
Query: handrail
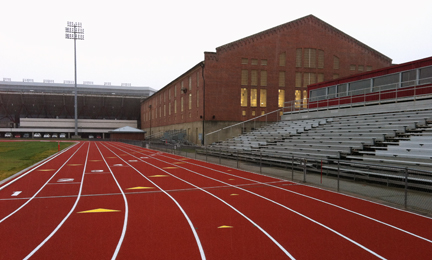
column 252, row 119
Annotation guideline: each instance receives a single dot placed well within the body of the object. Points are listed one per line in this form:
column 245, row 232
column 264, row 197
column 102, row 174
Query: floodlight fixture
column 75, row 31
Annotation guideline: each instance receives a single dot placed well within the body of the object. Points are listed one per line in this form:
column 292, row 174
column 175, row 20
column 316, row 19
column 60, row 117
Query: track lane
column 276, row 231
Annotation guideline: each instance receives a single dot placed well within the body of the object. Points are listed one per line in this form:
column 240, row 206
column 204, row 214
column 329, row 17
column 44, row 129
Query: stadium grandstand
column 46, row 108
column 375, row 126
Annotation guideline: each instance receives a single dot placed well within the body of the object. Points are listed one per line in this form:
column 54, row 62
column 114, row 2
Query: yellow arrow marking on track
column 229, row 170
column 184, row 159
column 111, row 157
column 140, row 188
column 225, row 226
column 231, row 179
column 233, row 194
column 100, row 210
column 169, row 168
column 179, row 163
column 156, row 176
column 46, row 170
column 95, row 160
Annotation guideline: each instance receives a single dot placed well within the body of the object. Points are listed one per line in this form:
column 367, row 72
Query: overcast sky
column 150, row 43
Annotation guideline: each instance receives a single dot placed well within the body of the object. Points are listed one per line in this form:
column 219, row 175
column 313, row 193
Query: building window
column 360, row 68
column 244, row 77
column 335, row 76
column 254, row 97
column 182, row 87
column 320, row 59
column 181, row 104
column 308, row 79
column 297, row 98
column 244, row 97
column 262, row 112
column 368, row 68
column 352, row 67
column 243, row 113
column 244, row 61
column 298, row 79
column 310, row 58
column 263, row 97
column 298, row 58
column 164, row 110
column 253, row 113
column 254, row 61
column 175, row 106
column 263, row 78
column 254, row 78
column 335, row 63
column 190, row 101
column 304, row 98
column 169, row 108
column 281, row 98
column 282, row 59
column 281, row 78
column 190, row 82
column 197, row 99
column 264, row 62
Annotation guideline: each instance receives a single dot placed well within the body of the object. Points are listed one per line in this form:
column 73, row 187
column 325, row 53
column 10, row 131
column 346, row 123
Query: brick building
column 254, row 76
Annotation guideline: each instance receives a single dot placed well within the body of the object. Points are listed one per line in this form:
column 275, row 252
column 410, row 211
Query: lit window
column 244, row 77
column 254, row 97
column 254, row 78
column 297, row 98
column 262, row 112
column 281, row 78
column 253, row 113
column 263, row 97
column 243, row 113
column 281, row 98
column 244, row 98
column 263, row 78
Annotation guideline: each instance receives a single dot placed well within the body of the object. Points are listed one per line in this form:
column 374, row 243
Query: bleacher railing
column 363, row 97
column 242, row 127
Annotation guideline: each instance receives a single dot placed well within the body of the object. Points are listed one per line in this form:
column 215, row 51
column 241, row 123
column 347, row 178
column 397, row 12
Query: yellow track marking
column 225, row 226
column 75, row 164
column 233, row 194
column 179, row 163
column 46, row 170
column 100, row 210
column 169, row 168
column 140, row 188
column 156, row 176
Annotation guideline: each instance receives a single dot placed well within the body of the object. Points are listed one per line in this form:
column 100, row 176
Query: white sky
column 150, row 43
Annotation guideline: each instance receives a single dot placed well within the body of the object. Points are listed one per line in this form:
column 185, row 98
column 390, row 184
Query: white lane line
column 67, row 216
column 198, row 241
column 37, row 166
column 46, row 183
column 126, row 215
column 281, row 205
column 16, row 193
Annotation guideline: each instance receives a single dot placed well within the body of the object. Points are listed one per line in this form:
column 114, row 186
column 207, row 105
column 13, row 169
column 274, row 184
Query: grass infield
column 16, row 156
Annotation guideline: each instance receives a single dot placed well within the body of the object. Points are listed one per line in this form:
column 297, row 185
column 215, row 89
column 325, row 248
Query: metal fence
column 402, row 187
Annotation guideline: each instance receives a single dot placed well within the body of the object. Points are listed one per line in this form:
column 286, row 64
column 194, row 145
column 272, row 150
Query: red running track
column 106, row 200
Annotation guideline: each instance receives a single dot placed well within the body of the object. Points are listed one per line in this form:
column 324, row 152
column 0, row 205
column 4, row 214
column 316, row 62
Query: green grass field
column 16, row 156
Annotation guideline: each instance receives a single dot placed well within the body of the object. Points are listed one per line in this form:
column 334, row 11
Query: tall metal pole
column 76, row 89
column 75, row 31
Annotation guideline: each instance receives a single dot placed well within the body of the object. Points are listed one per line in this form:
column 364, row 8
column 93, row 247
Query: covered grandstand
column 30, row 107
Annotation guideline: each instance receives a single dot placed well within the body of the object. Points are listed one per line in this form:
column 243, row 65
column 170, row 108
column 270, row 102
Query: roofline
column 309, row 18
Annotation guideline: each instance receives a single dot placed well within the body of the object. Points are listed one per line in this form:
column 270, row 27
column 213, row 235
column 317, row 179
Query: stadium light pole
column 75, row 31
